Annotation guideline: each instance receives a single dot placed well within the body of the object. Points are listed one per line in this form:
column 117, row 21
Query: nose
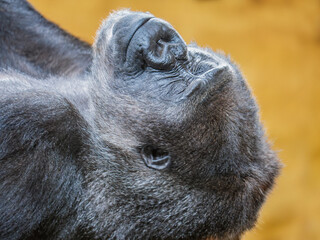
column 138, row 40
column 157, row 44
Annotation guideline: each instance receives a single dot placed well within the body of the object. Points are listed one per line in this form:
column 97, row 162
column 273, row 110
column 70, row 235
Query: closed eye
column 155, row 158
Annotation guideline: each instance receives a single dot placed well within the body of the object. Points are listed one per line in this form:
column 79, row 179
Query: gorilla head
column 139, row 137
column 178, row 148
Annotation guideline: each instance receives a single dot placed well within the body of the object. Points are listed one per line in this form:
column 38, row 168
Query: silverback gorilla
column 139, row 137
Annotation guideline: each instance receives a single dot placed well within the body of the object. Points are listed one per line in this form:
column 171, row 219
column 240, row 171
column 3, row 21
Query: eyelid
column 155, row 158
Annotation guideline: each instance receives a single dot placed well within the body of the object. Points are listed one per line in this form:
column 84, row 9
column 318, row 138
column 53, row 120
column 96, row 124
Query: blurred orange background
column 277, row 45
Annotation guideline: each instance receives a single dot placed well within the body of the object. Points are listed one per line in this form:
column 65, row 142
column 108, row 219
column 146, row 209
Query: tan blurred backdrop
column 277, row 45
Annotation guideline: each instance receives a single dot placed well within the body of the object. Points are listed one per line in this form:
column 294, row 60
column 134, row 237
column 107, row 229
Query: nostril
column 160, row 57
column 159, row 45
column 165, row 47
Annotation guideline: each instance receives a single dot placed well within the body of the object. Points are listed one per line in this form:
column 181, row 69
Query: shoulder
column 43, row 138
column 29, row 115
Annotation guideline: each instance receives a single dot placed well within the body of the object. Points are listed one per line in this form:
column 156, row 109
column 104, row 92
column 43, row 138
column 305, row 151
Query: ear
column 155, row 158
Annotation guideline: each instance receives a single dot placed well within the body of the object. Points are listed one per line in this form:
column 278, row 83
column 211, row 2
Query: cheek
column 166, row 87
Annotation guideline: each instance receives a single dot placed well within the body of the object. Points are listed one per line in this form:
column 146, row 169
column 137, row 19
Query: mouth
column 206, row 81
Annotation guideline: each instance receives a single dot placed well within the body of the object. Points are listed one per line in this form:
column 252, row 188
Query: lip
column 131, row 34
column 204, row 82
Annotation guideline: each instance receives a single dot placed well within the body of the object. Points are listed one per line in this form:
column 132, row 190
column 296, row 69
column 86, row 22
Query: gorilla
column 140, row 136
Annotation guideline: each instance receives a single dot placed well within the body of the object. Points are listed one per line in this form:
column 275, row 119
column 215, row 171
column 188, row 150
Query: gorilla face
column 159, row 140
column 185, row 127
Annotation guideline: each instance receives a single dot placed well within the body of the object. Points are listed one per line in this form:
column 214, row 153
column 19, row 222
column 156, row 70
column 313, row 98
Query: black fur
column 142, row 137
column 31, row 44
